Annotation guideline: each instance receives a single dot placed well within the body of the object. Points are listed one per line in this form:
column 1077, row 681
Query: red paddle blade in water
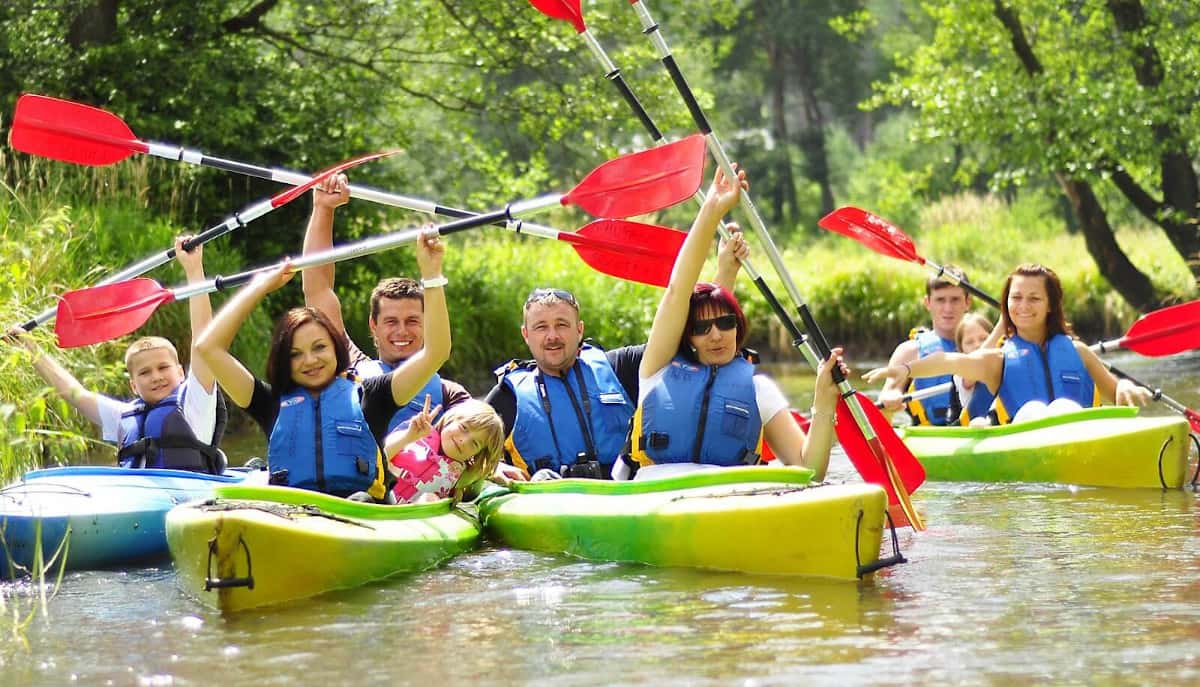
column 567, row 10
column 871, row 458
column 71, row 132
column 1166, row 331
column 872, row 231
column 642, row 182
column 103, row 313
column 633, row 251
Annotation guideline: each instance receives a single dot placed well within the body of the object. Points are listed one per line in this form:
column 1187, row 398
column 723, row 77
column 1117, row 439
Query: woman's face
column 1028, row 303
column 714, row 334
column 313, row 357
column 973, row 337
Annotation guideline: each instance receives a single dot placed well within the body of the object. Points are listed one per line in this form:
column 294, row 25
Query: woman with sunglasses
column 700, row 403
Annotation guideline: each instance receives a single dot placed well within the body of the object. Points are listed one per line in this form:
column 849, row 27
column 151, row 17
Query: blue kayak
column 114, row 515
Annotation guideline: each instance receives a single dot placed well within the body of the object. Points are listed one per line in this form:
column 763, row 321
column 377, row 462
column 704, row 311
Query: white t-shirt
column 767, row 393
column 199, row 410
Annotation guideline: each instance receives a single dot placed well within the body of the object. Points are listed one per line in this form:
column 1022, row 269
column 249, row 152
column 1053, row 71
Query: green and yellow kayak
column 1110, row 446
column 770, row 520
column 252, row 546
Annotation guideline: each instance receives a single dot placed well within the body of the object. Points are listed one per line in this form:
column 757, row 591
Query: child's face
column 459, row 444
column 154, row 374
column 973, row 337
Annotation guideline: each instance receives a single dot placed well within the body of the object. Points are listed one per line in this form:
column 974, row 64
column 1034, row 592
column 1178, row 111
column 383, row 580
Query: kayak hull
column 1102, row 447
column 254, row 546
column 753, row 519
column 114, row 516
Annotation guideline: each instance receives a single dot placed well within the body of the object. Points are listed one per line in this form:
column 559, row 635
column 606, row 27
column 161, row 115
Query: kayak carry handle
column 895, row 559
column 211, row 583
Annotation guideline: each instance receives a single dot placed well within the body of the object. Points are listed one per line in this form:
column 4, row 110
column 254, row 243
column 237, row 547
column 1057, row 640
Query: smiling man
column 397, row 316
column 947, row 303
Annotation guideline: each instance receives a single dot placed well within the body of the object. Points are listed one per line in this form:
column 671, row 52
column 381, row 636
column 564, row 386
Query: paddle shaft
column 356, row 191
column 234, row 221
column 925, row 393
column 369, row 246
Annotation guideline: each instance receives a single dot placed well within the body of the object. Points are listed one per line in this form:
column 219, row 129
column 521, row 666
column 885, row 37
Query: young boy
column 174, row 421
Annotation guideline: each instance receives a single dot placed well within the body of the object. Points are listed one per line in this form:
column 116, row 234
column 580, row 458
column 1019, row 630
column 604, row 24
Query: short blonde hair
column 150, row 343
column 476, row 416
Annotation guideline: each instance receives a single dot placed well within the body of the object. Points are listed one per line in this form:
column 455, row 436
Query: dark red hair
column 704, row 294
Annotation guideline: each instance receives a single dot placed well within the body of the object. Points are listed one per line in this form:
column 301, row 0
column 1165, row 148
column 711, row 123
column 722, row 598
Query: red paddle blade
column 103, row 313
column 71, row 132
column 1166, row 331
column 633, row 251
column 1193, row 419
column 870, row 458
column 872, row 231
column 567, row 10
column 642, row 182
column 293, row 193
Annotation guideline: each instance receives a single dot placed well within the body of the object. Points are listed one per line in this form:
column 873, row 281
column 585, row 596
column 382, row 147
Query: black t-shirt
column 377, row 403
column 625, row 362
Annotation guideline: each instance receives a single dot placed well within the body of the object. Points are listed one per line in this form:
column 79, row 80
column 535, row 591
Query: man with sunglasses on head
column 566, row 412
column 397, row 319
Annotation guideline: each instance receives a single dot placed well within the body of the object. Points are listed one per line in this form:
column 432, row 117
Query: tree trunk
column 96, row 24
column 783, row 193
column 1134, row 286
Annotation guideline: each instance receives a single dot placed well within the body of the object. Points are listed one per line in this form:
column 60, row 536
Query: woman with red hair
column 700, row 403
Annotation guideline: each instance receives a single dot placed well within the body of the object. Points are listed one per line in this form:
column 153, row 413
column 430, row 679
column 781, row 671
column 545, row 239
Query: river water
column 1039, row 584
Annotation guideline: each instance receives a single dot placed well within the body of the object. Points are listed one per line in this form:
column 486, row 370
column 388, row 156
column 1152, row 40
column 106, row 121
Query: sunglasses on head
column 561, row 294
column 724, row 323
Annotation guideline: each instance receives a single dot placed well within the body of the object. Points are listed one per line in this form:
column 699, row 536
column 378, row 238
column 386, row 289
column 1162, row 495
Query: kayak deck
column 752, row 519
column 101, row 516
column 253, row 546
column 1110, row 446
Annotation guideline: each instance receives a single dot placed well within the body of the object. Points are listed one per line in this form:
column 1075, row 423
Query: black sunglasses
column 561, row 294
column 724, row 323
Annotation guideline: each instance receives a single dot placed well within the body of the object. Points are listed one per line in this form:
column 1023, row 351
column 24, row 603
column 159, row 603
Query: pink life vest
column 422, row 468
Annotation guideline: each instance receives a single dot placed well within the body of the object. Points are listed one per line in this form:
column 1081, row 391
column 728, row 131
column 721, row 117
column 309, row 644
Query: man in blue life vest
column 397, row 314
column 947, row 303
column 567, row 410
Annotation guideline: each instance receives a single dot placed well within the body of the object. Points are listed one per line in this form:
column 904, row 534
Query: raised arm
column 729, row 257
column 199, row 307
column 672, row 312
column 317, row 282
column 214, row 342
column 413, row 373
column 789, row 442
column 81, row 398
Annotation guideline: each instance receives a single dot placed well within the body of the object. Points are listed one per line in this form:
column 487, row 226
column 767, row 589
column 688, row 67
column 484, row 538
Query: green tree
column 1092, row 91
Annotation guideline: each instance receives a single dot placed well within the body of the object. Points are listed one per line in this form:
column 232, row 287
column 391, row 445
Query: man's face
column 946, row 307
column 553, row 332
column 153, row 374
column 399, row 330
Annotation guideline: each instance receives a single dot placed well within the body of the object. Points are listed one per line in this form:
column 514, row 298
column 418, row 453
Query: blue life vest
column 558, row 423
column 323, row 443
column 1030, row 375
column 159, row 436
column 700, row 414
column 932, row 410
column 432, row 388
column 980, row 404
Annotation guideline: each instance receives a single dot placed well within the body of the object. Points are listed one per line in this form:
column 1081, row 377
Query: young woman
column 700, row 402
column 325, row 429
column 1040, row 362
